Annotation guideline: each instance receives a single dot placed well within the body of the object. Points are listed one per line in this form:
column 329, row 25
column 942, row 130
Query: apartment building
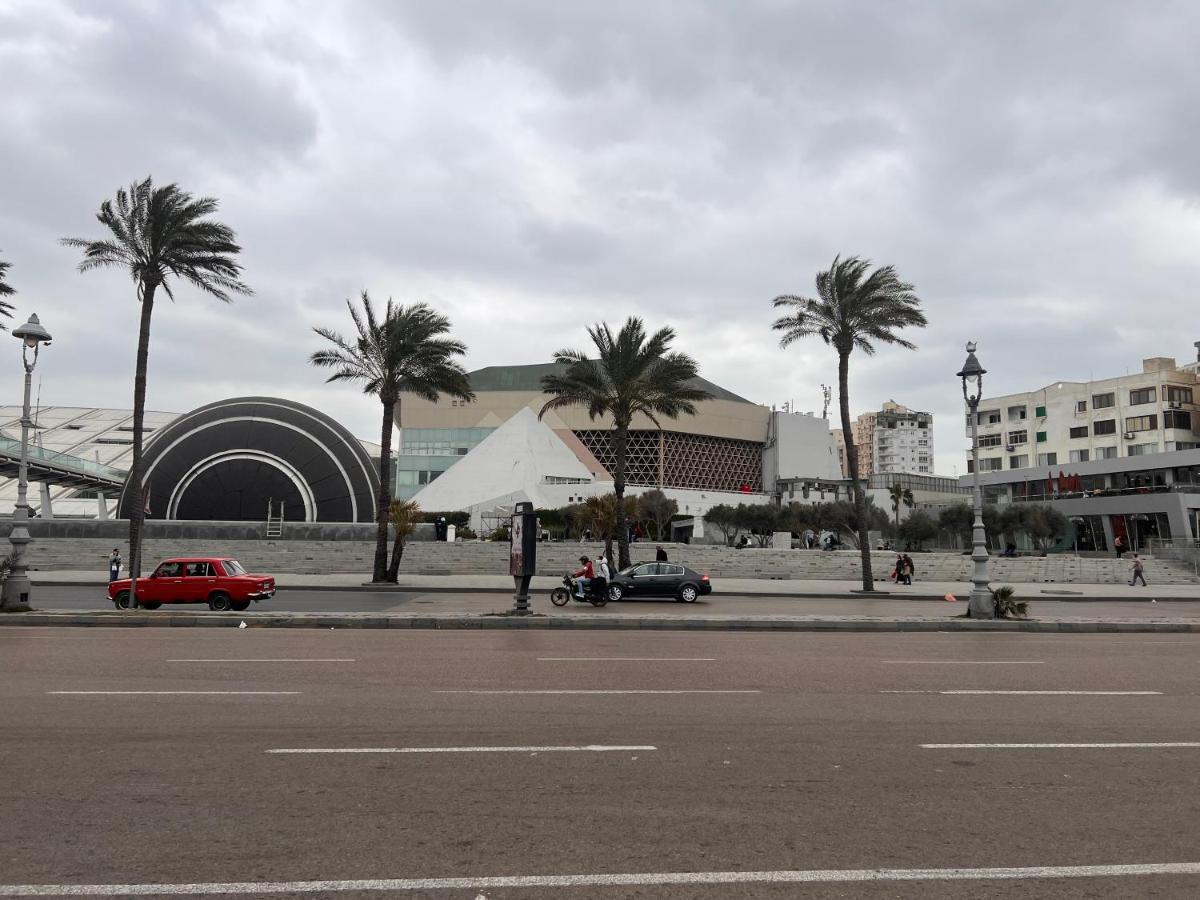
column 892, row 441
column 1071, row 422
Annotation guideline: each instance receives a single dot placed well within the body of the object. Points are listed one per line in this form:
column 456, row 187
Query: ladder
column 274, row 522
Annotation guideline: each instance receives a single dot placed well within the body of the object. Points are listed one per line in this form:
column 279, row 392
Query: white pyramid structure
column 522, row 460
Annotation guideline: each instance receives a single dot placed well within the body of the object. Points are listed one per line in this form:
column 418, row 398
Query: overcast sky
column 531, row 167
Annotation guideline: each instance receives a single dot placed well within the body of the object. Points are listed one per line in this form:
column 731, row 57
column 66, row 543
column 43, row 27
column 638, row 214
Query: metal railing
column 12, row 447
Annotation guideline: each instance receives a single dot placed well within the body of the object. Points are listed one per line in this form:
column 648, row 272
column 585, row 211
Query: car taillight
column 704, row 578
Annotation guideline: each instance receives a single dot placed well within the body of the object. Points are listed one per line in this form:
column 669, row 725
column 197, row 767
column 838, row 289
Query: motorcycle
column 561, row 596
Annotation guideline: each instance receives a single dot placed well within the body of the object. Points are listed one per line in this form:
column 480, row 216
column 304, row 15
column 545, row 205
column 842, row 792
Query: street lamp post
column 17, row 588
column 982, row 605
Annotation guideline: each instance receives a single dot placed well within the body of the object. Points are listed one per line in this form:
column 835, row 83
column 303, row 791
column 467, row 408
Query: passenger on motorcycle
column 584, row 576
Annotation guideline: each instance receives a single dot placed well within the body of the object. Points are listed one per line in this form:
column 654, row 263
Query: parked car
column 222, row 583
column 658, row 579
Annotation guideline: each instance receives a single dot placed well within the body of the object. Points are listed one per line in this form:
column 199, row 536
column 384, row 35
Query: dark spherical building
column 229, row 460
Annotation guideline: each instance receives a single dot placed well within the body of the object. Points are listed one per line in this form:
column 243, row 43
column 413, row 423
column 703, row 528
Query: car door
column 641, row 579
column 165, row 585
column 672, row 577
column 197, row 580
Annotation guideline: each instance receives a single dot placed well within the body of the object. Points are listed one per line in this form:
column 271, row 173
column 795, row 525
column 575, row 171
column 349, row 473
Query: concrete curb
column 586, row 623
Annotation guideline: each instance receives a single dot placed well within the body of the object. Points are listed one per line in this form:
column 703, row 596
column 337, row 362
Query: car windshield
column 233, row 567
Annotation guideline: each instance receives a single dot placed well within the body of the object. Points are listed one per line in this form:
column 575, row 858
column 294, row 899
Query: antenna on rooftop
column 826, row 393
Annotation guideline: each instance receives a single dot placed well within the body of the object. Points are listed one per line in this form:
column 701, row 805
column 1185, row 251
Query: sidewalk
column 813, row 589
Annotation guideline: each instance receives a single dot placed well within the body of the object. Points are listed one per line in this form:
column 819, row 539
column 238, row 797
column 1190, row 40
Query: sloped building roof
column 529, row 378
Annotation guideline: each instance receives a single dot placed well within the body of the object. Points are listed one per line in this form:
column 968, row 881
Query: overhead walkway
column 50, row 467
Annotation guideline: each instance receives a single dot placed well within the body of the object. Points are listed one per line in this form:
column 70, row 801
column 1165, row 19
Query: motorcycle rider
column 583, row 577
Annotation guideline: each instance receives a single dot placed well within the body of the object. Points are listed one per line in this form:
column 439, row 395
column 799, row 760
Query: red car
column 222, row 583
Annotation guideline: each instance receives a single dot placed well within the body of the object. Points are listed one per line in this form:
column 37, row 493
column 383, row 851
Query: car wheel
column 688, row 593
column 151, row 605
column 242, row 605
column 122, row 600
column 220, row 603
column 615, row 594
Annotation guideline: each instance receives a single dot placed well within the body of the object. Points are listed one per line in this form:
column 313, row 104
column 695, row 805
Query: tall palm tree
column 900, row 495
column 402, row 353
column 159, row 233
column 633, row 374
column 853, row 309
column 6, row 290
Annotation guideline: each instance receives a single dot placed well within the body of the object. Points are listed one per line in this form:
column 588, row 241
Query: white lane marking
column 121, row 694
column 586, row 748
column 800, row 876
column 261, row 660
column 1049, row 694
column 1100, row 746
column 627, row 659
column 601, row 691
column 964, row 662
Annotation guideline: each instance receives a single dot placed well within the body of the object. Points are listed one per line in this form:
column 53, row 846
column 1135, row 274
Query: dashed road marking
column 585, row 748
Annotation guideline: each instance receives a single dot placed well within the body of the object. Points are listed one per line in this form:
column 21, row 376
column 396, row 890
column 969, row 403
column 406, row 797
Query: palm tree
column 853, row 309
column 404, row 516
column 156, row 233
column 6, row 290
column 402, row 353
column 634, row 374
column 900, row 495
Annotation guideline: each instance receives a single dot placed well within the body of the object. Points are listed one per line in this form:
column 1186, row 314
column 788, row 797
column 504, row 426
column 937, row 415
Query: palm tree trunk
column 137, row 506
column 384, row 500
column 860, row 498
column 621, row 439
column 397, row 553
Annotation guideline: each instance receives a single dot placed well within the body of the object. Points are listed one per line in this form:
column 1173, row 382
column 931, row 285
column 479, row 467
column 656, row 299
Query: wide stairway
column 479, row 558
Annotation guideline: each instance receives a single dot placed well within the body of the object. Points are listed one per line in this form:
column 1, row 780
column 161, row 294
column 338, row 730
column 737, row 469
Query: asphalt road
column 357, row 600
column 782, row 755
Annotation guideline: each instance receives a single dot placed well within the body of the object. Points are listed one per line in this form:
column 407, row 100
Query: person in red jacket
column 583, row 577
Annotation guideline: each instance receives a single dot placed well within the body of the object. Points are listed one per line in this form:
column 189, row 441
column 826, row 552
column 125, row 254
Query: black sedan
column 659, row 579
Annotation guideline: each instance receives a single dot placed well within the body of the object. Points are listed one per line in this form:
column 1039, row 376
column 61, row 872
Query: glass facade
column 425, row 453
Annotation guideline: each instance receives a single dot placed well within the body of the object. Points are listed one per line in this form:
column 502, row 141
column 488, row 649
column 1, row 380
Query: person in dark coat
column 660, row 554
column 907, row 568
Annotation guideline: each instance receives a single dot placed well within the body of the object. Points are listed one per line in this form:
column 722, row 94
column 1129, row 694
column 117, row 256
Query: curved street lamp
column 18, row 588
column 982, row 604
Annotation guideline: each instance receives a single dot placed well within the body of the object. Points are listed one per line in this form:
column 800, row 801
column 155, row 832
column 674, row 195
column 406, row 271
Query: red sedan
column 222, row 583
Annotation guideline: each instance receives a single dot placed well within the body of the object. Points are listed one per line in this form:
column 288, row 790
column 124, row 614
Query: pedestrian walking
column 660, row 554
column 114, row 565
column 908, row 568
column 1119, row 545
column 1139, row 571
column 898, row 570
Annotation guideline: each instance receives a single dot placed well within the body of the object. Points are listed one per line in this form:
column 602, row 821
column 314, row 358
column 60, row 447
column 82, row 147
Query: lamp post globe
column 17, row 587
column 982, row 604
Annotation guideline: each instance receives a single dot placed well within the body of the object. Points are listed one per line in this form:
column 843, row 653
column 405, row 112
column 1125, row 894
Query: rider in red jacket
column 584, row 576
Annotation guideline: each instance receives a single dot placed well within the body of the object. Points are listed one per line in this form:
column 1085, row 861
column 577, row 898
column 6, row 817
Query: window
column 1047, row 459
column 197, row 570
column 990, row 417
column 991, row 465
column 990, row 440
column 1177, row 418
column 1018, row 437
column 1080, row 432
column 1079, row 456
column 1141, row 423
column 1016, row 413
column 1040, row 412
column 233, row 567
column 1106, row 453
column 1142, row 449
column 169, row 570
column 1041, row 437
column 1104, row 426
column 1175, row 394
column 1018, row 462
column 1104, row 401
column 1141, row 395
column 1080, row 406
